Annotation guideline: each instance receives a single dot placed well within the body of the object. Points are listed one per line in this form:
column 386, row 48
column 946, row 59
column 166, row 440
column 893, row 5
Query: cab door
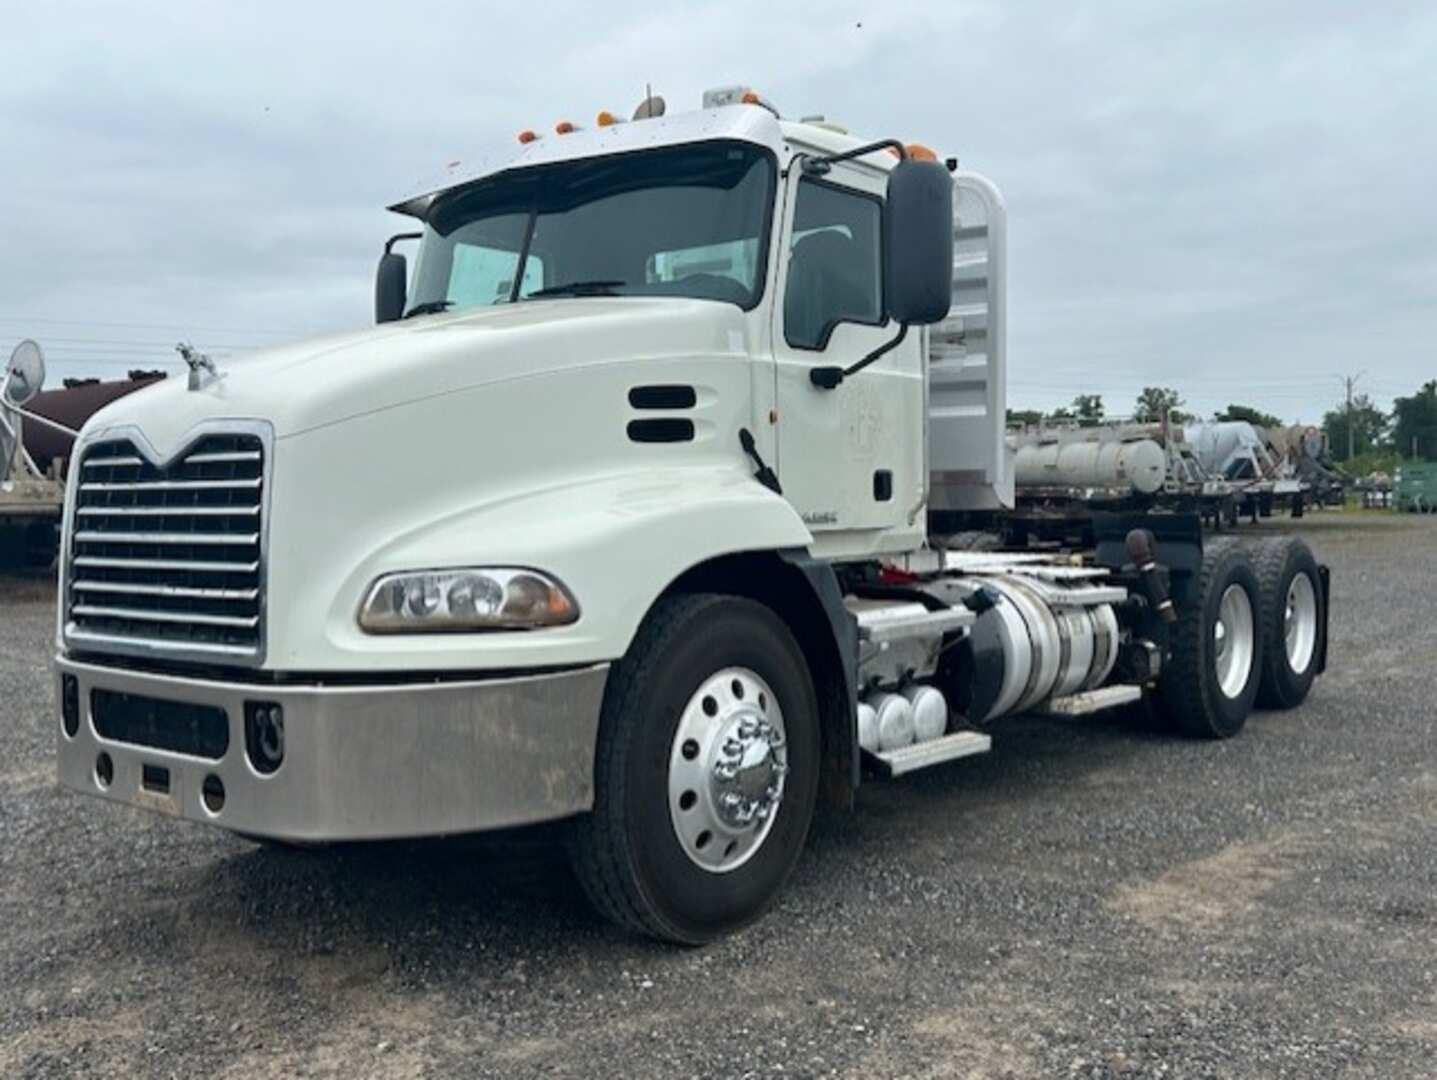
column 850, row 458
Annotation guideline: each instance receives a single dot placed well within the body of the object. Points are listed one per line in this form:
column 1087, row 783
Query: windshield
column 683, row 221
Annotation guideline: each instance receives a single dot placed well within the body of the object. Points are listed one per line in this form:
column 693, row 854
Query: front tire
column 1207, row 688
column 706, row 771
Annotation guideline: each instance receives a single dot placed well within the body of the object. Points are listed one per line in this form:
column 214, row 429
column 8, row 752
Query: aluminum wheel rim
column 1299, row 622
column 1233, row 641
column 727, row 769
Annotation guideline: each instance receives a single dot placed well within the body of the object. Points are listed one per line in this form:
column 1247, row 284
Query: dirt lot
column 1091, row 899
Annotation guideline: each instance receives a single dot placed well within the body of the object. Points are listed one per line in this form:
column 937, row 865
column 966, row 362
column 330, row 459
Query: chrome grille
column 168, row 561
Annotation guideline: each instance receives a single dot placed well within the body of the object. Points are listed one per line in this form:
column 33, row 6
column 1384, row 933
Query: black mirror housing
column 391, row 282
column 918, row 242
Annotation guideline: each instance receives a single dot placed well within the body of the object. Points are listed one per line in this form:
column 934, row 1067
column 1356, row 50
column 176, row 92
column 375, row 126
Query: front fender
column 616, row 541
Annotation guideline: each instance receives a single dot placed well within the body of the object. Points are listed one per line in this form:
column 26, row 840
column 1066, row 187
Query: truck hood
column 331, row 379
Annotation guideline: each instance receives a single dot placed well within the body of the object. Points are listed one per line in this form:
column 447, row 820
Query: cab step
column 934, row 752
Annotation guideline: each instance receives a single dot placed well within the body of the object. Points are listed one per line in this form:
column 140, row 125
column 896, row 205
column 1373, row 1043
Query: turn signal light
column 915, row 151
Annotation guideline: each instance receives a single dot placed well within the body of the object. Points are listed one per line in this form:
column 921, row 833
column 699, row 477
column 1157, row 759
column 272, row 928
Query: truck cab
column 619, row 515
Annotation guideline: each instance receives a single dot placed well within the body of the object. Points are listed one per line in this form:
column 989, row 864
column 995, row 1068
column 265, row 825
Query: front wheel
column 706, row 771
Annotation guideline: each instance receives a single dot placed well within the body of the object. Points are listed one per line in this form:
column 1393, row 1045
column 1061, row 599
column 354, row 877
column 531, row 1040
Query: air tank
column 895, row 721
column 868, row 727
column 1140, row 465
column 930, row 712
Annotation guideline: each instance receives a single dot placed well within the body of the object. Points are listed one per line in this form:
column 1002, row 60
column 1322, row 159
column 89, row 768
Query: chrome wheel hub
column 726, row 769
column 1299, row 623
column 1233, row 641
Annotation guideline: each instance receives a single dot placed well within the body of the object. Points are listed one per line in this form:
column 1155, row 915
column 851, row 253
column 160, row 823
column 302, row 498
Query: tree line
column 1154, row 403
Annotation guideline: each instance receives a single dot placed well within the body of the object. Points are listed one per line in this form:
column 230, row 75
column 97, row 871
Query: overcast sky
column 1234, row 199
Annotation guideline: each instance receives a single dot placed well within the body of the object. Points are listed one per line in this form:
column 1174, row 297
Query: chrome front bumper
column 360, row 762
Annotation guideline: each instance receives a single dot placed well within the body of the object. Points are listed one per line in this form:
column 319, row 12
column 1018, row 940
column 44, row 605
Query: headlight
column 492, row 598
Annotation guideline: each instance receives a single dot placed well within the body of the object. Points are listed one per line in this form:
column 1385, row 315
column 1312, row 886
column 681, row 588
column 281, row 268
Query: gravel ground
column 1090, row 899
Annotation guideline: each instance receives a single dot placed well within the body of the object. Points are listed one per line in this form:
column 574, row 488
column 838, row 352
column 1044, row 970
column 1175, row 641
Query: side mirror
column 918, row 242
column 391, row 284
column 24, row 375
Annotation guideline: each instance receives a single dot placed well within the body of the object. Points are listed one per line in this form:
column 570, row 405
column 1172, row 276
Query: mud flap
column 1324, row 576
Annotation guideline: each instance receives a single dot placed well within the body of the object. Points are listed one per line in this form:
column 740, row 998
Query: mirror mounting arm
column 389, row 244
column 45, row 421
column 828, row 377
column 817, row 166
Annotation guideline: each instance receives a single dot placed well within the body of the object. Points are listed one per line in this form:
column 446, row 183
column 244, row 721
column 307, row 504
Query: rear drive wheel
column 1291, row 621
column 706, row 772
column 1208, row 686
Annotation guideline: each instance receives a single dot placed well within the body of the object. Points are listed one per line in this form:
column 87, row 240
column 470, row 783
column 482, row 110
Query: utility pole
column 1348, row 381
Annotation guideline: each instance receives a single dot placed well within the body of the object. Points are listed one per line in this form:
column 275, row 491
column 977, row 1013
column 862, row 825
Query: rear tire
column 1292, row 620
column 1207, row 687
column 642, row 855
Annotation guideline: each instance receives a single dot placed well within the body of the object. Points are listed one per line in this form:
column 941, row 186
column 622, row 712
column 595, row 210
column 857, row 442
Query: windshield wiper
column 429, row 307
column 578, row 288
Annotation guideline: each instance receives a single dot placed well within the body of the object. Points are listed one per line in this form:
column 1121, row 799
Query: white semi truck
column 636, row 510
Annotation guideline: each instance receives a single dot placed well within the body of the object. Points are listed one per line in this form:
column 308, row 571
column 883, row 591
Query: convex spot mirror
column 24, row 374
column 918, row 242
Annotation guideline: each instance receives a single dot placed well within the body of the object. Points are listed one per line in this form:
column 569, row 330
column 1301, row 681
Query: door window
column 835, row 264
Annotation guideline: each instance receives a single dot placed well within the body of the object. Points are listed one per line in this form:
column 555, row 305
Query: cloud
column 1224, row 197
